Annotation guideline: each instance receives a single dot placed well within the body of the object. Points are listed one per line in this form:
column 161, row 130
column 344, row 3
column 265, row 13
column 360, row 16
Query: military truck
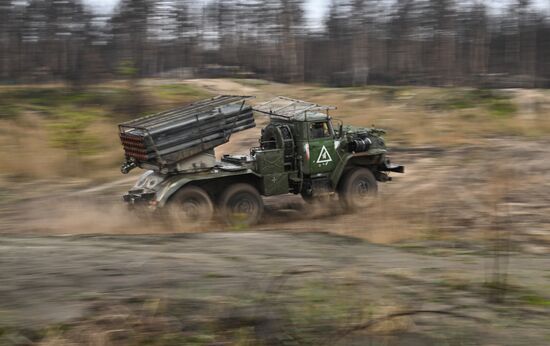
column 302, row 150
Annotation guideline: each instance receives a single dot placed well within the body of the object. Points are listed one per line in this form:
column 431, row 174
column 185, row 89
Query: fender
column 373, row 156
column 169, row 187
column 173, row 183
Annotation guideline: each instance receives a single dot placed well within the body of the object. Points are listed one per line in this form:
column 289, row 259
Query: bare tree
column 432, row 42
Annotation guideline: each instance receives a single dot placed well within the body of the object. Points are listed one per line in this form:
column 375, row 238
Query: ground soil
column 473, row 253
column 455, row 251
column 61, row 279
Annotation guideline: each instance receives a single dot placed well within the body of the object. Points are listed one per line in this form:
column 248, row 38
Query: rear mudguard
column 173, row 183
column 170, row 186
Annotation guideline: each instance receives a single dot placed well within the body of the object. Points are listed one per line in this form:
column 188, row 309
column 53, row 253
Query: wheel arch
column 216, row 185
column 353, row 161
column 213, row 185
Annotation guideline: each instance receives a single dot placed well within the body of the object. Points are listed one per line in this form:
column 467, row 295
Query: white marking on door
column 324, row 156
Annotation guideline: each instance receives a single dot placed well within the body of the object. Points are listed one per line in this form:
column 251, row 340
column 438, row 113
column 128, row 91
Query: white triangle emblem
column 324, row 156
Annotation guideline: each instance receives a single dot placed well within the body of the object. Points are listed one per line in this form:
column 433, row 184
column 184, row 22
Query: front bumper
column 387, row 166
column 139, row 197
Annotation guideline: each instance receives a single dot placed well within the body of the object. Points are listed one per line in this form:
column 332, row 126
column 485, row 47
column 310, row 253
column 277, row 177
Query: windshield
column 320, row 129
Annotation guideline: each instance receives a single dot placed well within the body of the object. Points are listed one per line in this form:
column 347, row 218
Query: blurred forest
column 421, row 42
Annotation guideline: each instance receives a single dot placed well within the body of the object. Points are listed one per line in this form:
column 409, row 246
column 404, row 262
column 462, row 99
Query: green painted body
column 270, row 167
column 323, row 157
column 312, row 162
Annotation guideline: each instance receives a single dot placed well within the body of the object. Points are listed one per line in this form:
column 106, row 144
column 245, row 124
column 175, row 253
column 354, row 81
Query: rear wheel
column 358, row 189
column 191, row 205
column 241, row 205
column 308, row 197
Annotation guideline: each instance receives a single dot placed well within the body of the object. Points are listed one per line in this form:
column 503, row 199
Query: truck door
column 322, row 153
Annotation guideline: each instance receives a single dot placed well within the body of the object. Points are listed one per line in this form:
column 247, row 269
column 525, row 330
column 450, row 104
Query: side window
column 319, row 130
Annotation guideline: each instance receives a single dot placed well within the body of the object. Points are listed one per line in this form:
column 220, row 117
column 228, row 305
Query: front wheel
column 241, row 205
column 358, row 189
column 308, row 197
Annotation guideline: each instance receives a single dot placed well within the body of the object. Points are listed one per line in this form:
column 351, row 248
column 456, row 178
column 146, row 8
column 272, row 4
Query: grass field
column 51, row 131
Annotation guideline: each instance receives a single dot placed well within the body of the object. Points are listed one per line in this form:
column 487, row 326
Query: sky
column 315, row 9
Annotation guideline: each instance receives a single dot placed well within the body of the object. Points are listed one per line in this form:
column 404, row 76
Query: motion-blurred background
column 338, row 43
column 462, row 87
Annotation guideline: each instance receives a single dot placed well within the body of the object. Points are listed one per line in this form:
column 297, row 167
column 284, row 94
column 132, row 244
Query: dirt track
column 444, row 225
column 200, row 278
column 462, row 196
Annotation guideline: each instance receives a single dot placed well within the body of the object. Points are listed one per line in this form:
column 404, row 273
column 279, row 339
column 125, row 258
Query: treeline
column 428, row 42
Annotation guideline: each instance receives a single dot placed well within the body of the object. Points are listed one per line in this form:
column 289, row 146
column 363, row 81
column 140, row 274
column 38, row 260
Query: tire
column 309, row 199
column 190, row 206
column 358, row 189
column 241, row 205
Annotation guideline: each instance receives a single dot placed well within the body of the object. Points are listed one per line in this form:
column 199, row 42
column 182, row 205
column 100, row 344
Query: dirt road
column 437, row 283
column 461, row 196
column 200, row 280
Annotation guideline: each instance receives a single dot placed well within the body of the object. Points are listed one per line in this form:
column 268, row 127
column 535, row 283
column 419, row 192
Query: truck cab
column 321, row 158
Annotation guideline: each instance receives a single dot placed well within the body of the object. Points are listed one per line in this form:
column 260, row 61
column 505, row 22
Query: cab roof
column 285, row 108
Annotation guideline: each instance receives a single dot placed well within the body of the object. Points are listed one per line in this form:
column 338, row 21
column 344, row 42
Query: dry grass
column 49, row 131
column 434, row 116
column 440, row 197
column 412, row 116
